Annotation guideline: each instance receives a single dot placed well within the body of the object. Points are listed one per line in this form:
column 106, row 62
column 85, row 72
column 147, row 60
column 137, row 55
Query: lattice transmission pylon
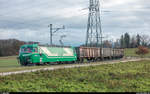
column 94, row 30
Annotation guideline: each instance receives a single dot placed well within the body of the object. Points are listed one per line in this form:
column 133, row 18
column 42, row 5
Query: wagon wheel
column 81, row 60
column 88, row 60
column 24, row 64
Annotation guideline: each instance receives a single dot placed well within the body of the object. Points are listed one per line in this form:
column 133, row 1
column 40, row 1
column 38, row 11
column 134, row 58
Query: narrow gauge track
column 73, row 66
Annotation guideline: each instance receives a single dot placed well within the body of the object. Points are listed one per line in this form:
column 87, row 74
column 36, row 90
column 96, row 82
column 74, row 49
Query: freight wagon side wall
column 95, row 52
column 115, row 52
column 88, row 52
column 118, row 52
column 106, row 52
column 122, row 52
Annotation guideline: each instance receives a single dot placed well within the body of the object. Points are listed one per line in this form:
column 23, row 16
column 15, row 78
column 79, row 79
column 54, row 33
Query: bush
column 142, row 51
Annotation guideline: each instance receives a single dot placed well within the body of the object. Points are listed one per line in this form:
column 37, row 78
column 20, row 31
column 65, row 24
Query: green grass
column 131, row 52
column 122, row 77
column 10, row 63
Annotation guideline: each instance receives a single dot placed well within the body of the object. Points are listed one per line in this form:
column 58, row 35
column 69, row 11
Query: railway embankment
column 124, row 60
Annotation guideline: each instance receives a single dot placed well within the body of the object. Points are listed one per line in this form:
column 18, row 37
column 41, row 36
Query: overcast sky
column 28, row 20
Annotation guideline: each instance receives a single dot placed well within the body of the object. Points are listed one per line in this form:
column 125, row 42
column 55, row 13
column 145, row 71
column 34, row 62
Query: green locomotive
column 35, row 54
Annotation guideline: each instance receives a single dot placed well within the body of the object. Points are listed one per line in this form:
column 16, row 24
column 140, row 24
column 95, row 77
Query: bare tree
column 10, row 47
column 117, row 43
column 145, row 40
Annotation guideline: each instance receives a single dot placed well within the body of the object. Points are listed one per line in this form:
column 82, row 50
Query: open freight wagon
column 96, row 53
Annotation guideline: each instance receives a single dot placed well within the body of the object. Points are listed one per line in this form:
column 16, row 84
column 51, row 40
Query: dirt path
column 74, row 65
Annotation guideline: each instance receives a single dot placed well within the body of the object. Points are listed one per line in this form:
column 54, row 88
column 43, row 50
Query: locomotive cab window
column 29, row 50
column 35, row 50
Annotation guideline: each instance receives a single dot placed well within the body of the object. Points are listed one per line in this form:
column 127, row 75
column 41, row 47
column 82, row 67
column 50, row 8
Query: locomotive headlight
column 35, row 55
column 26, row 55
column 28, row 60
column 41, row 59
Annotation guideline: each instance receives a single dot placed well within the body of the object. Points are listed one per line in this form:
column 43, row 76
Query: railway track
column 74, row 66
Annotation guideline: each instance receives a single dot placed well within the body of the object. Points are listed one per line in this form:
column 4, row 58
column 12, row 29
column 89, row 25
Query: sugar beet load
column 35, row 54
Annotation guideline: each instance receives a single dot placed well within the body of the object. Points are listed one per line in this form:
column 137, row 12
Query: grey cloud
column 22, row 19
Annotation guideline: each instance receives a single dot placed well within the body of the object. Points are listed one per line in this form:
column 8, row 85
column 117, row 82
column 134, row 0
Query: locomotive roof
column 29, row 45
column 56, row 46
column 36, row 45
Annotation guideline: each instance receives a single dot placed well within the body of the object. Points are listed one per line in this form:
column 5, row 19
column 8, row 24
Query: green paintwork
column 45, row 54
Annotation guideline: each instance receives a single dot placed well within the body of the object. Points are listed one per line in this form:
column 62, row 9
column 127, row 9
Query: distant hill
column 10, row 47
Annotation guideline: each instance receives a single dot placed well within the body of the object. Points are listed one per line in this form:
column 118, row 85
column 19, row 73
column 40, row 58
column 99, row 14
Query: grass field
column 122, row 77
column 131, row 52
column 10, row 63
